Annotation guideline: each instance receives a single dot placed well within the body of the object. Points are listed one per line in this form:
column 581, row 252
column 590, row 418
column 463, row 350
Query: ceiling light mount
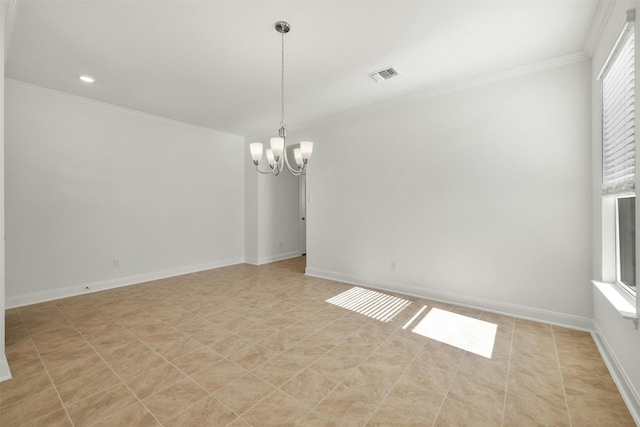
column 283, row 27
column 277, row 155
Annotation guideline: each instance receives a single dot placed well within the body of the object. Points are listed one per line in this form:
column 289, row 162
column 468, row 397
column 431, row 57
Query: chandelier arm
column 293, row 171
column 296, row 173
column 263, row 172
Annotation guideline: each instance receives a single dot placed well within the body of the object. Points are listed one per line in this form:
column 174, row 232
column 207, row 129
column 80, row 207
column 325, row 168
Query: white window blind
column 618, row 115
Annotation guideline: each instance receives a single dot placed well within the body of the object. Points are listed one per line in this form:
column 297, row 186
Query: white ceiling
column 217, row 63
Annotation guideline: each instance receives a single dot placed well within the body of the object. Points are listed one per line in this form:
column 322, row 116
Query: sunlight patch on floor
column 370, row 303
column 466, row 333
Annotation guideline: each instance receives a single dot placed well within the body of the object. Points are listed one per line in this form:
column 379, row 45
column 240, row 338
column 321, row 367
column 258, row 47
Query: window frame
column 610, row 193
column 626, row 288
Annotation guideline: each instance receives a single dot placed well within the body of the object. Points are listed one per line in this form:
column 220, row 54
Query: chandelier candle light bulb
column 277, row 154
column 270, row 158
column 306, row 148
column 256, row 152
column 298, row 156
column 277, row 146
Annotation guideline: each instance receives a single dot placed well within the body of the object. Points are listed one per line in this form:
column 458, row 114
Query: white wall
column 617, row 337
column 87, row 183
column 482, row 196
column 272, row 231
column 4, row 367
column 278, row 217
column 251, row 209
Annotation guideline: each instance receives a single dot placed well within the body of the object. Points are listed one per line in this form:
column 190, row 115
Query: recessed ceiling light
column 87, row 79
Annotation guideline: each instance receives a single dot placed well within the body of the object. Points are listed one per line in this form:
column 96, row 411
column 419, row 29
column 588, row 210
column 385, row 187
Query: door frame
column 302, row 214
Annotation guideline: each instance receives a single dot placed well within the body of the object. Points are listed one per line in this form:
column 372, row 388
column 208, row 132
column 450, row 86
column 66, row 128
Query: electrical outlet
column 394, row 265
column 116, row 263
column 280, row 244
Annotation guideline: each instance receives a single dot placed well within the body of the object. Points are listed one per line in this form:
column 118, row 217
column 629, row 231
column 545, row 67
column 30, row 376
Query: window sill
column 619, row 300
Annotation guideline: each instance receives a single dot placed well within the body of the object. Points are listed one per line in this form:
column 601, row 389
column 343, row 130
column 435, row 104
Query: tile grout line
column 308, row 366
column 188, row 376
column 238, row 416
column 370, row 321
column 564, row 391
column 455, row 374
column 506, row 389
column 338, row 383
column 332, row 390
column 107, row 364
column 113, row 371
column 210, row 394
column 398, row 379
column 46, row 369
column 197, row 290
column 279, row 388
column 181, row 371
column 444, row 397
column 152, row 350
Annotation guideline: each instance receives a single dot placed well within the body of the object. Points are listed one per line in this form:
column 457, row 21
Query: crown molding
column 29, row 86
column 442, row 90
column 600, row 18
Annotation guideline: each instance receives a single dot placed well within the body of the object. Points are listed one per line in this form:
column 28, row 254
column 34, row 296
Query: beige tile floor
column 260, row 346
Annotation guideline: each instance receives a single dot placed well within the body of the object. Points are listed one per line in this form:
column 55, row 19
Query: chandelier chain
column 277, row 156
column 282, row 83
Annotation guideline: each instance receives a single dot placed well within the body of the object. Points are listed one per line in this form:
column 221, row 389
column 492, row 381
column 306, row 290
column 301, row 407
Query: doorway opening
column 303, row 214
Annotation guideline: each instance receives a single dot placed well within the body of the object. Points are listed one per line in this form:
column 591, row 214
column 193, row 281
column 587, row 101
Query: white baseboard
column 5, row 373
column 630, row 395
column 53, row 294
column 540, row 315
column 274, row 258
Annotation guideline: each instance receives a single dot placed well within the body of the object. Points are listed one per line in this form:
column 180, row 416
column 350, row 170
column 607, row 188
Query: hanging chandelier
column 277, row 155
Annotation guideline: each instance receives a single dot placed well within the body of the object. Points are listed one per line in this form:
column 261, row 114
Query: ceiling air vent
column 385, row 74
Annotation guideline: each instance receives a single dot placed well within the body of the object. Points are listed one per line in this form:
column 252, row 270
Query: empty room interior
column 318, row 213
